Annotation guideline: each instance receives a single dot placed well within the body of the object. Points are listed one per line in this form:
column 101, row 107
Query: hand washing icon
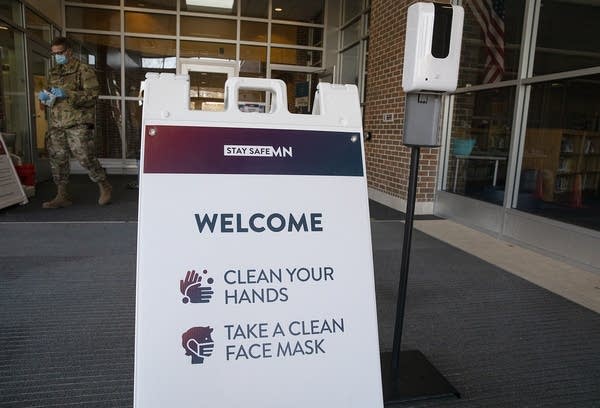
column 192, row 290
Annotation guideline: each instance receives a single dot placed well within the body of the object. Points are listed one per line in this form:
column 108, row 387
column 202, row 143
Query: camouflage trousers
column 76, row 141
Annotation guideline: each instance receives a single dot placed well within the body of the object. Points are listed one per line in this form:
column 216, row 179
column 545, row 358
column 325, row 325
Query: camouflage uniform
column 72, row 120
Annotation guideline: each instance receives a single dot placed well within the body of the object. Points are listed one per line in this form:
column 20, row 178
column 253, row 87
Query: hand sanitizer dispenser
column 432, row 47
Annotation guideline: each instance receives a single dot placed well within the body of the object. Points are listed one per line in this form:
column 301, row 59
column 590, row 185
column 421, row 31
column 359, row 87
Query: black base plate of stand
column 417, row 379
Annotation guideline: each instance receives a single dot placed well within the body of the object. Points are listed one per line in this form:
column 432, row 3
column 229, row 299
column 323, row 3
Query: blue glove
column 43, row 96
column 58, row 92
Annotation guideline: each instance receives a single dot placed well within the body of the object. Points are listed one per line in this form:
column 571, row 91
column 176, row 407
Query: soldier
column 71, row 96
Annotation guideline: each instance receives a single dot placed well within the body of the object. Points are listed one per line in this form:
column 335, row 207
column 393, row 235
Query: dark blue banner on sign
column 214, row 150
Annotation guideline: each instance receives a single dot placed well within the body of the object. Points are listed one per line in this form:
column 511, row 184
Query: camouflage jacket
column 81, row 86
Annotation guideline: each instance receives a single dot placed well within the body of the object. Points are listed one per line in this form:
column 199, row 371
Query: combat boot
column 105, row 192
column 61, row 199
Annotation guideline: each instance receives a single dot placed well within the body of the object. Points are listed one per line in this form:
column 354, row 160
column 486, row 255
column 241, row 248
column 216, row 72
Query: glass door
column 13, row 95
column 39, row 65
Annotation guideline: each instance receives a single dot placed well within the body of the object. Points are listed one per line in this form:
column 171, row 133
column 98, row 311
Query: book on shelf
column 566, row 146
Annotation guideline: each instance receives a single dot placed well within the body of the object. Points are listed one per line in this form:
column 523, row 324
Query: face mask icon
column 194, row 290
column 198, row 343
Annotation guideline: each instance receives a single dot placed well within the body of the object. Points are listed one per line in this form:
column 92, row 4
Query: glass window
column 253, row 31
column 296, row 35
column 560, row 171
column 491, row 41
column 103, row 53
column 13, row 96
column 481, row 131
column 143, row 55
column 291, row 56
column 108, row 129
column 37, row 27
column 207, row 90
column 212, row 10
column 351, row 8
column 253, row 61
column 93, row 19
column 301, row 88
column 350, row 65
column 351, row 33
column 150, row 23
column 192, row 49
column 308, row 11
column 567, row 36
column 208, row 27
column 255, row 8
column 152, row 4
column 11, row 11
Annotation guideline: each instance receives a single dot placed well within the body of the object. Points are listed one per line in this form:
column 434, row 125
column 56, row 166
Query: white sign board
column 11, row 190
column 255, row 274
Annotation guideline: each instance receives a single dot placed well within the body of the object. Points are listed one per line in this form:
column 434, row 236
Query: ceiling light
column 278, row 9
column 226, row 4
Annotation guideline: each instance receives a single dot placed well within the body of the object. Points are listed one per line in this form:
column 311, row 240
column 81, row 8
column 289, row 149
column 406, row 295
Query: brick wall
column 387, row 159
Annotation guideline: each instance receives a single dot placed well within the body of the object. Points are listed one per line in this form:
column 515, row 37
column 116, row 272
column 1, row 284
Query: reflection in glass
column 351, row 9
column 253, row 61
column 253, row 31
column 491, row 41
column 291, row 56
column 150, row 23
column 108, row 129
column 11, row 11
column 133, row 128
column 93, row 19
column 253, row 64
column 13, row 97
column 255, row 8
column 481, row 131
column 296, row 35
column 351, row 33
column 301, row 88
column 199, row 49
column 208, row 27
column 144, row 55
column 207, row 91
column 350, row 67
column 103, row 53
column 298, row 10
column 39, row 65
column 37, row 26
column 560, row 172
column 567, row 37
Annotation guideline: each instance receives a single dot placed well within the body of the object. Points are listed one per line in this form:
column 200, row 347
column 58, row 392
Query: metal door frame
column 42, row 166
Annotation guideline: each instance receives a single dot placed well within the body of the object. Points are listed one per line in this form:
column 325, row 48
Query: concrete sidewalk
column 573, row 283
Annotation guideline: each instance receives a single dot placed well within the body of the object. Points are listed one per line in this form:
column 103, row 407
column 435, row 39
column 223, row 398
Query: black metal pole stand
column 408, row 375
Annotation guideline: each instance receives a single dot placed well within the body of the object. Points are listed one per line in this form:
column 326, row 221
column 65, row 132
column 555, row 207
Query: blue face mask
column 60, row 59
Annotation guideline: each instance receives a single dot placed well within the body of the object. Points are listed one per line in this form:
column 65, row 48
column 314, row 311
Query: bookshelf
column 567, row 162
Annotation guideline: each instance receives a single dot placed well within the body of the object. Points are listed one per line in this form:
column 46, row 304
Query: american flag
column 490, row 16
